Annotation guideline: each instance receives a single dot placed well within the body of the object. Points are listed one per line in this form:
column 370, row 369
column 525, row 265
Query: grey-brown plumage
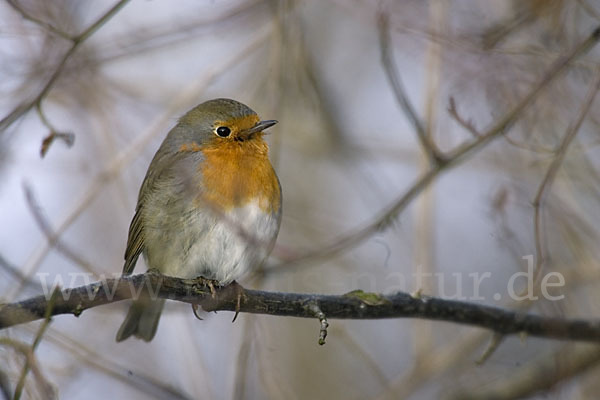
column 177, row 231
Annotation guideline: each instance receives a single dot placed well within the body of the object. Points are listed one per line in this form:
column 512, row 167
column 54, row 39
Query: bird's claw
column 195, row 307
column 239, row 293
column 234, row 288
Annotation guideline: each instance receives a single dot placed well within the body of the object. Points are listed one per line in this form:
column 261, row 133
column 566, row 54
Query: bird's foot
column 211, row 283
column 234, row 290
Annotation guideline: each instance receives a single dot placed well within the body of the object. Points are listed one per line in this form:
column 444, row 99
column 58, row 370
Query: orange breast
column 237, row 173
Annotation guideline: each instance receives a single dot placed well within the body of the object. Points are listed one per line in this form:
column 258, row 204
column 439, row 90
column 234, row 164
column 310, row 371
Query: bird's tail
column 142, row 319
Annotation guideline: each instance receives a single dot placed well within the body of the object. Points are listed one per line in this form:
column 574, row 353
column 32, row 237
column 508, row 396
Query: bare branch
column 467, row 124
column 52, row 237
column 78, row 40
column 543, row 188
column 451, row 160
column 589, row 9
column 353, row 305
column 67, row 137
column 387, row 59
column 44, row 386
column 553, row 169
column 539, row 375
column 38, row 338
column 49, row 27
column 116, row 164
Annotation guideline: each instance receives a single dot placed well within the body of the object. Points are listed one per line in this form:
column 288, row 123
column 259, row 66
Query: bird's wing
column 135, row 242
column 160, row 169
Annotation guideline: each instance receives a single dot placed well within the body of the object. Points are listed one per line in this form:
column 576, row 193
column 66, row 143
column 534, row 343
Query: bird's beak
column 259, row 127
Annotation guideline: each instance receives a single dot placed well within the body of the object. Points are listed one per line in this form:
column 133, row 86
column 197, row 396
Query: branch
column 550, row 175
column 447, row 162
column 49, row 27
column 387, row 59
column 29, row 360
column 353, row 305
column 540, row 375
column 77, row 41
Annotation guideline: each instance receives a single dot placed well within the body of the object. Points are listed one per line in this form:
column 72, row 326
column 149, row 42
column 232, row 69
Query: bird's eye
column 223, row 131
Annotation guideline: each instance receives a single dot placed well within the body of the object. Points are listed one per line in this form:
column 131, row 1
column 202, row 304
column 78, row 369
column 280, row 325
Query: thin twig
column 17, row 274
column 543, row 188
column 43, row 385
column 102, row 363
column 77, row 41
column 387, row 59
column 467, row 124
column 5, row 385
column 242, row 364
column 550, row 175
column 589, row 9
column 38, row 338
column 46, row 25
column 67, row 137
column 123, row 158
column 52, row 237
column 539, row 375
column 528, row 147
column 459, row 351
column 464, row 43
column 454, row 158
column 358, row 347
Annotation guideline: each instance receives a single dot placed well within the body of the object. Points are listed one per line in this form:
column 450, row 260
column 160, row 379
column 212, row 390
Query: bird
column 209, row 205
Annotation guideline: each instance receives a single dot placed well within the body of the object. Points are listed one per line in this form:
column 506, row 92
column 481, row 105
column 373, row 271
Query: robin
column 209, row 206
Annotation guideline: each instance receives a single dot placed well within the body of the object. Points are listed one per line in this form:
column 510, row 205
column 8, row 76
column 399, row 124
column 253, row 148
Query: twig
column 353, row 305
column 43, row 24
column 540, row 375
column 467, row 124
column 452, row 159
column 459, row 351
column 242, row 362
column 67, row 137
column 38, row 338
column 589, row 9
column 387, row 59
column 102, row 363
column 314, row 308
column 52, row 237
column 497, row 33
column 543, row 188
column 42, row 384
column 5, row 385
column 358, row 347
column 465, row 43
column 17, row 274
column 553, row 169
column 470, row 127
column 524, row 146
column 119, row 161
column 77, row 41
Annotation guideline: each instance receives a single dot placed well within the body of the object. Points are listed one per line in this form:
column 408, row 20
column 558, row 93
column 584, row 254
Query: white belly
column 222, row 247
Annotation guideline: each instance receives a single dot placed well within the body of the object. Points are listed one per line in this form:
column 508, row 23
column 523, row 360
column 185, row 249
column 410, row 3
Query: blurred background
column 345, row 150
